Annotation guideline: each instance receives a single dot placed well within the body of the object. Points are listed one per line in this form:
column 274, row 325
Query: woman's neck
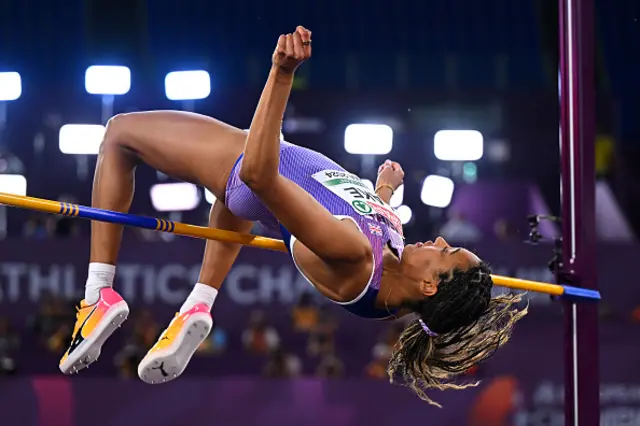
column 394, row 288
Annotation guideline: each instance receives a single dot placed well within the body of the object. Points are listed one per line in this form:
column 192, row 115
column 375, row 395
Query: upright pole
column 577, row 151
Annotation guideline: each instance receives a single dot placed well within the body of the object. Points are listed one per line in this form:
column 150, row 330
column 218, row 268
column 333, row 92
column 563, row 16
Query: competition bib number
column 353, row 190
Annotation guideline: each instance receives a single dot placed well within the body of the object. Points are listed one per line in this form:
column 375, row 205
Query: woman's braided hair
column 470, row 326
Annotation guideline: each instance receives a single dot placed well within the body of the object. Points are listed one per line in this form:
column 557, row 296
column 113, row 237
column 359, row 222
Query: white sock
column 201, row 293
column 100, row 276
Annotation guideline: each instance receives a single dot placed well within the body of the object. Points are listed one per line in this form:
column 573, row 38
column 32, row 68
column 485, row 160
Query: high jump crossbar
column 156, row 224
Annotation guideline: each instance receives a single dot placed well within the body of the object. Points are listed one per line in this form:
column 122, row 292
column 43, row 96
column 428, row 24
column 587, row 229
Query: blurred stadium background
column 463, row 93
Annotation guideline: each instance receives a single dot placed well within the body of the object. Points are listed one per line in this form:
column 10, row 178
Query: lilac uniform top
column 344, row 196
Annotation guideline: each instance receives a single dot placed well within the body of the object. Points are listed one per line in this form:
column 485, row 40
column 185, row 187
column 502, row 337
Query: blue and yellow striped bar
column 156, row 224
column 75, row 210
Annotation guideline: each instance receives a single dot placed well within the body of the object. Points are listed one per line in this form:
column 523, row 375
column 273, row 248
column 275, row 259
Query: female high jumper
column 344, row 239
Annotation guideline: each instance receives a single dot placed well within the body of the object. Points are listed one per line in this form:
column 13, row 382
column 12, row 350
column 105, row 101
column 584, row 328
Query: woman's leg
column 186, row 146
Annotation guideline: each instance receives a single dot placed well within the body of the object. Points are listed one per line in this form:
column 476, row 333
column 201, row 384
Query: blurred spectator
column 503, row 230
column 459, row 229
column 330, row 367
column 141, row 339
column 58, row 341
column 66, row 227
column 377, row 368
column 388, row 340
column 282, row 365
column 146, row 328
column 9, row 345
column 382, row 350
column 215, row 344
column 39, row 227
column 127, row 359
column 53, row 323
column 321, row 339
column 259, row 338
column 305, row 314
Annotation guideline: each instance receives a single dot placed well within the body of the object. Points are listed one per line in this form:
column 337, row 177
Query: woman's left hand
column 390, row 173
column 292, row 50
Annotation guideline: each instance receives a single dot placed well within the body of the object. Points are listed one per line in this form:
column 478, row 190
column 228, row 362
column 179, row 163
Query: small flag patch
column 375, row 229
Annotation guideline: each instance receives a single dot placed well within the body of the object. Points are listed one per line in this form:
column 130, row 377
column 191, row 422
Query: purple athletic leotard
column 309, row 169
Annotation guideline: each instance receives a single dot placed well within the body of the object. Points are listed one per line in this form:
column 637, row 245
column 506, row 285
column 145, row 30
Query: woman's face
column 425, row 262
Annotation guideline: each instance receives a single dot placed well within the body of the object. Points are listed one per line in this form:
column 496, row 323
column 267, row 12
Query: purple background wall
column 531, row 395
column 522, row 384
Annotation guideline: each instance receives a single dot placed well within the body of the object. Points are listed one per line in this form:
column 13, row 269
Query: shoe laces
column 76, row 327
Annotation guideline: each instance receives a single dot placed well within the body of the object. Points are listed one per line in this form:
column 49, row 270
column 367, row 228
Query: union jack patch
column 375, row 229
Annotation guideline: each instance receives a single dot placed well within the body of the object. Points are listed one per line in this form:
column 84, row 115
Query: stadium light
column 187, row 85
column 437, row 191
column 174, row 197
column 208, row 195
column 13, row 184
column 397, row 197
column 405, row 214
column 81, row 139
column 368, row 139
column 107, row 80
column 10, row 86
column 458, row 145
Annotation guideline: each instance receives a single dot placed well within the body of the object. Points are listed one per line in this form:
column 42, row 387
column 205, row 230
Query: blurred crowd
column 52, row 327
column 306, row 345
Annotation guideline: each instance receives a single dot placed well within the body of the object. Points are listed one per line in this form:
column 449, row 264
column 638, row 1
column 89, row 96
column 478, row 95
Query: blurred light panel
column 405, row 214
column 107, row 80
column 397, row 197
column 174, row 197
column 208, row 195
column 10, row 86
column 437, row 191
column 368, row 139
column 13, row 184
column 458, row 145
column 81, row 139
column 187, row 85
column 469, row 172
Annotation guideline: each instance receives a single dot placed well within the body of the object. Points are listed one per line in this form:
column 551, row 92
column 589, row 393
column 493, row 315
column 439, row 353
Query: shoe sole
column 168, row 364
column 88, row 351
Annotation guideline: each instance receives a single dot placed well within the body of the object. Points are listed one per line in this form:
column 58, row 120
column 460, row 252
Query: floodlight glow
column 458, row 145
column 208, row 195
column 81, row 139
column 397, row 197
column 437, row 191
column 187, row 85
column 174, row 197
column 368, row 139
column 13, row 184
column 10, row 86
column 107, row 80
column 405, row 214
